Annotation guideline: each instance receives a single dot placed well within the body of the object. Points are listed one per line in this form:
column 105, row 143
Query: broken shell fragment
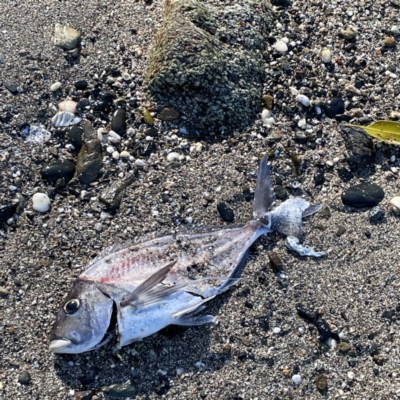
column 62, row 118
column 396, row 202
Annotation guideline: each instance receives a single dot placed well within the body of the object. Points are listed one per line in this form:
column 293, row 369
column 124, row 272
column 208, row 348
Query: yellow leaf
column 387, row 131
column 148, row 118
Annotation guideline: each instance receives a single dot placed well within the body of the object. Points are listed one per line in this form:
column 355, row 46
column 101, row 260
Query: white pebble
column 55, row 86
column 113, row 137
column 326, row 56
column 104, row 215
column 343, row 335
column 266, row 113
column 115, row 155
column 351, row 375
column 68, row 106
column 301, row 98
column 140, row 163
column 110, row 149
column 173, row 156
column 125, row 154
column 189, row 220
column 296, row 379
column 276, row 330
column 302, row 124
column 393, row 158
column 395, row 30
column 281, row 46
column 395, row 202
column 99, row 227
column 41, row 202
column 269, row 121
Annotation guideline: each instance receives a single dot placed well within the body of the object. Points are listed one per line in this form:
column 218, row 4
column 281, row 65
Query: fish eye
column 72, row 306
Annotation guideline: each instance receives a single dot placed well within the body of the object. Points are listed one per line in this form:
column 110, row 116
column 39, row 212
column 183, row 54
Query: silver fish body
column 143, row 287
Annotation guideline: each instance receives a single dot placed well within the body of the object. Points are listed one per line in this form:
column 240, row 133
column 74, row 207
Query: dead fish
column 136, row 289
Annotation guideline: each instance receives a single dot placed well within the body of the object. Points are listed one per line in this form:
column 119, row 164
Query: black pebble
column 280, row 193
column 335, row 107
column 58, row 169
column 312, row 317
column 363, row 195
column 225, row 212
column 24, row 378
column 323, row 329
column 319, row 178
column 118, row 123
column 153, row 132
column 81, row 85
column 7, row 210
column 76, row 136
column 82, row 103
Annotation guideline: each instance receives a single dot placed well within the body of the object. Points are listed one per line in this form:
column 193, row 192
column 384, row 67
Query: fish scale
column 165, row 280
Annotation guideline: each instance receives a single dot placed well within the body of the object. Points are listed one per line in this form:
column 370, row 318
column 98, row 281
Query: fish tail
column 264, row 194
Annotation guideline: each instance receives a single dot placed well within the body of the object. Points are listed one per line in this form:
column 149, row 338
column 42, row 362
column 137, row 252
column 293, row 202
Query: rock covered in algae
column 207, row 66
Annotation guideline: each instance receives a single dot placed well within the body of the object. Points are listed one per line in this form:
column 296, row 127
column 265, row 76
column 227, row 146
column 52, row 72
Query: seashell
column 62, row 118
column 68, row 106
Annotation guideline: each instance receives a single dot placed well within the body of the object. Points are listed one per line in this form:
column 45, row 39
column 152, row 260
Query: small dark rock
column 7, row 209
column 85, row 395
column 152, row 132
column 363, row 195
column 113, row 195
column 82, row 103
column 345, row 175
column 276, row 262
column 321, row 382
column 81, row 85
column 323, row 329
column 341, row 231
column 280, row 193
column 225, row 212
column 374, row 349
column 76, row 135
column 389, row 314
column 319, row 178
column 121, row 390
column 335, row 107
column 378, row 359
column 89, row 162
column 118, row 122
column 168, row 114
column 280, row 3
column 103, row 100
column 24, row 378
column 58, row 169
column 303, row 313
column 12, row 87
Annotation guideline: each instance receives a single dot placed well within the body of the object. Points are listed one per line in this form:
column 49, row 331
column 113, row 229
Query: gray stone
column 24, row 378
column 121, row 390
column 3, row 292
column 215, row 82
column 66, row 37
column 358, row 145
column 363, row 195
column 89, row 162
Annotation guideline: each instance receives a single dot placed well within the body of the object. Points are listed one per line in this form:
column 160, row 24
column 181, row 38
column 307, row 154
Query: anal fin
column 187, row 320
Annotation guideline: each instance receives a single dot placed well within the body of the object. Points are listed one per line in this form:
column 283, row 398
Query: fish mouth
column 57, row 345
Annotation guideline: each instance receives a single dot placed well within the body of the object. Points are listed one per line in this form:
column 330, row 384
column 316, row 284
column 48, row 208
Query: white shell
column 55, row 86
column 62, row 118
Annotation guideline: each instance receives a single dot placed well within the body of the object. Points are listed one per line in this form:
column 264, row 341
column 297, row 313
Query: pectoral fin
column 293, row 243
column 148, row 285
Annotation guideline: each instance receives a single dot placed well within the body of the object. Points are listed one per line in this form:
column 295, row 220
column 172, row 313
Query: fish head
column 83, row 320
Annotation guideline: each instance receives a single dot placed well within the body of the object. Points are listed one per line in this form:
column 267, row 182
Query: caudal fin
column 264, row 194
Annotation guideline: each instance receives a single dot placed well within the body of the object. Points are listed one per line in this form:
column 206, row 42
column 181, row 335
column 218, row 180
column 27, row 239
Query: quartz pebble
column 66, row 37
column 41, row 202
column 55, row 86
column 266, row 113
column 115, row 155
column 281, row 46
column 276, row 330
column 301, row 98
column 395, row 30
column 124, row 154
column 326, row 56
column 140, row 163
column 173, row 156
column 296, row 379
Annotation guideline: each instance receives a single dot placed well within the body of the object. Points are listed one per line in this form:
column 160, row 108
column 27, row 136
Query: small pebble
column 351, row 375
column 140, row 163
column 125, row 154
column 3, row 292
column 396, row 202
column 301, row 98
column 281, row 46
column 326, row 56
column 389, row 41
column 99, row 227
column 41, row 202
column 24, row 378
column 55, row 86
column 173, row 156
column 266, row 113
column 395, row 30
column 321, row 382
column 296, row 379
column 347, row 34
column 68, row 106
column 276, row 330
column 115, row 155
